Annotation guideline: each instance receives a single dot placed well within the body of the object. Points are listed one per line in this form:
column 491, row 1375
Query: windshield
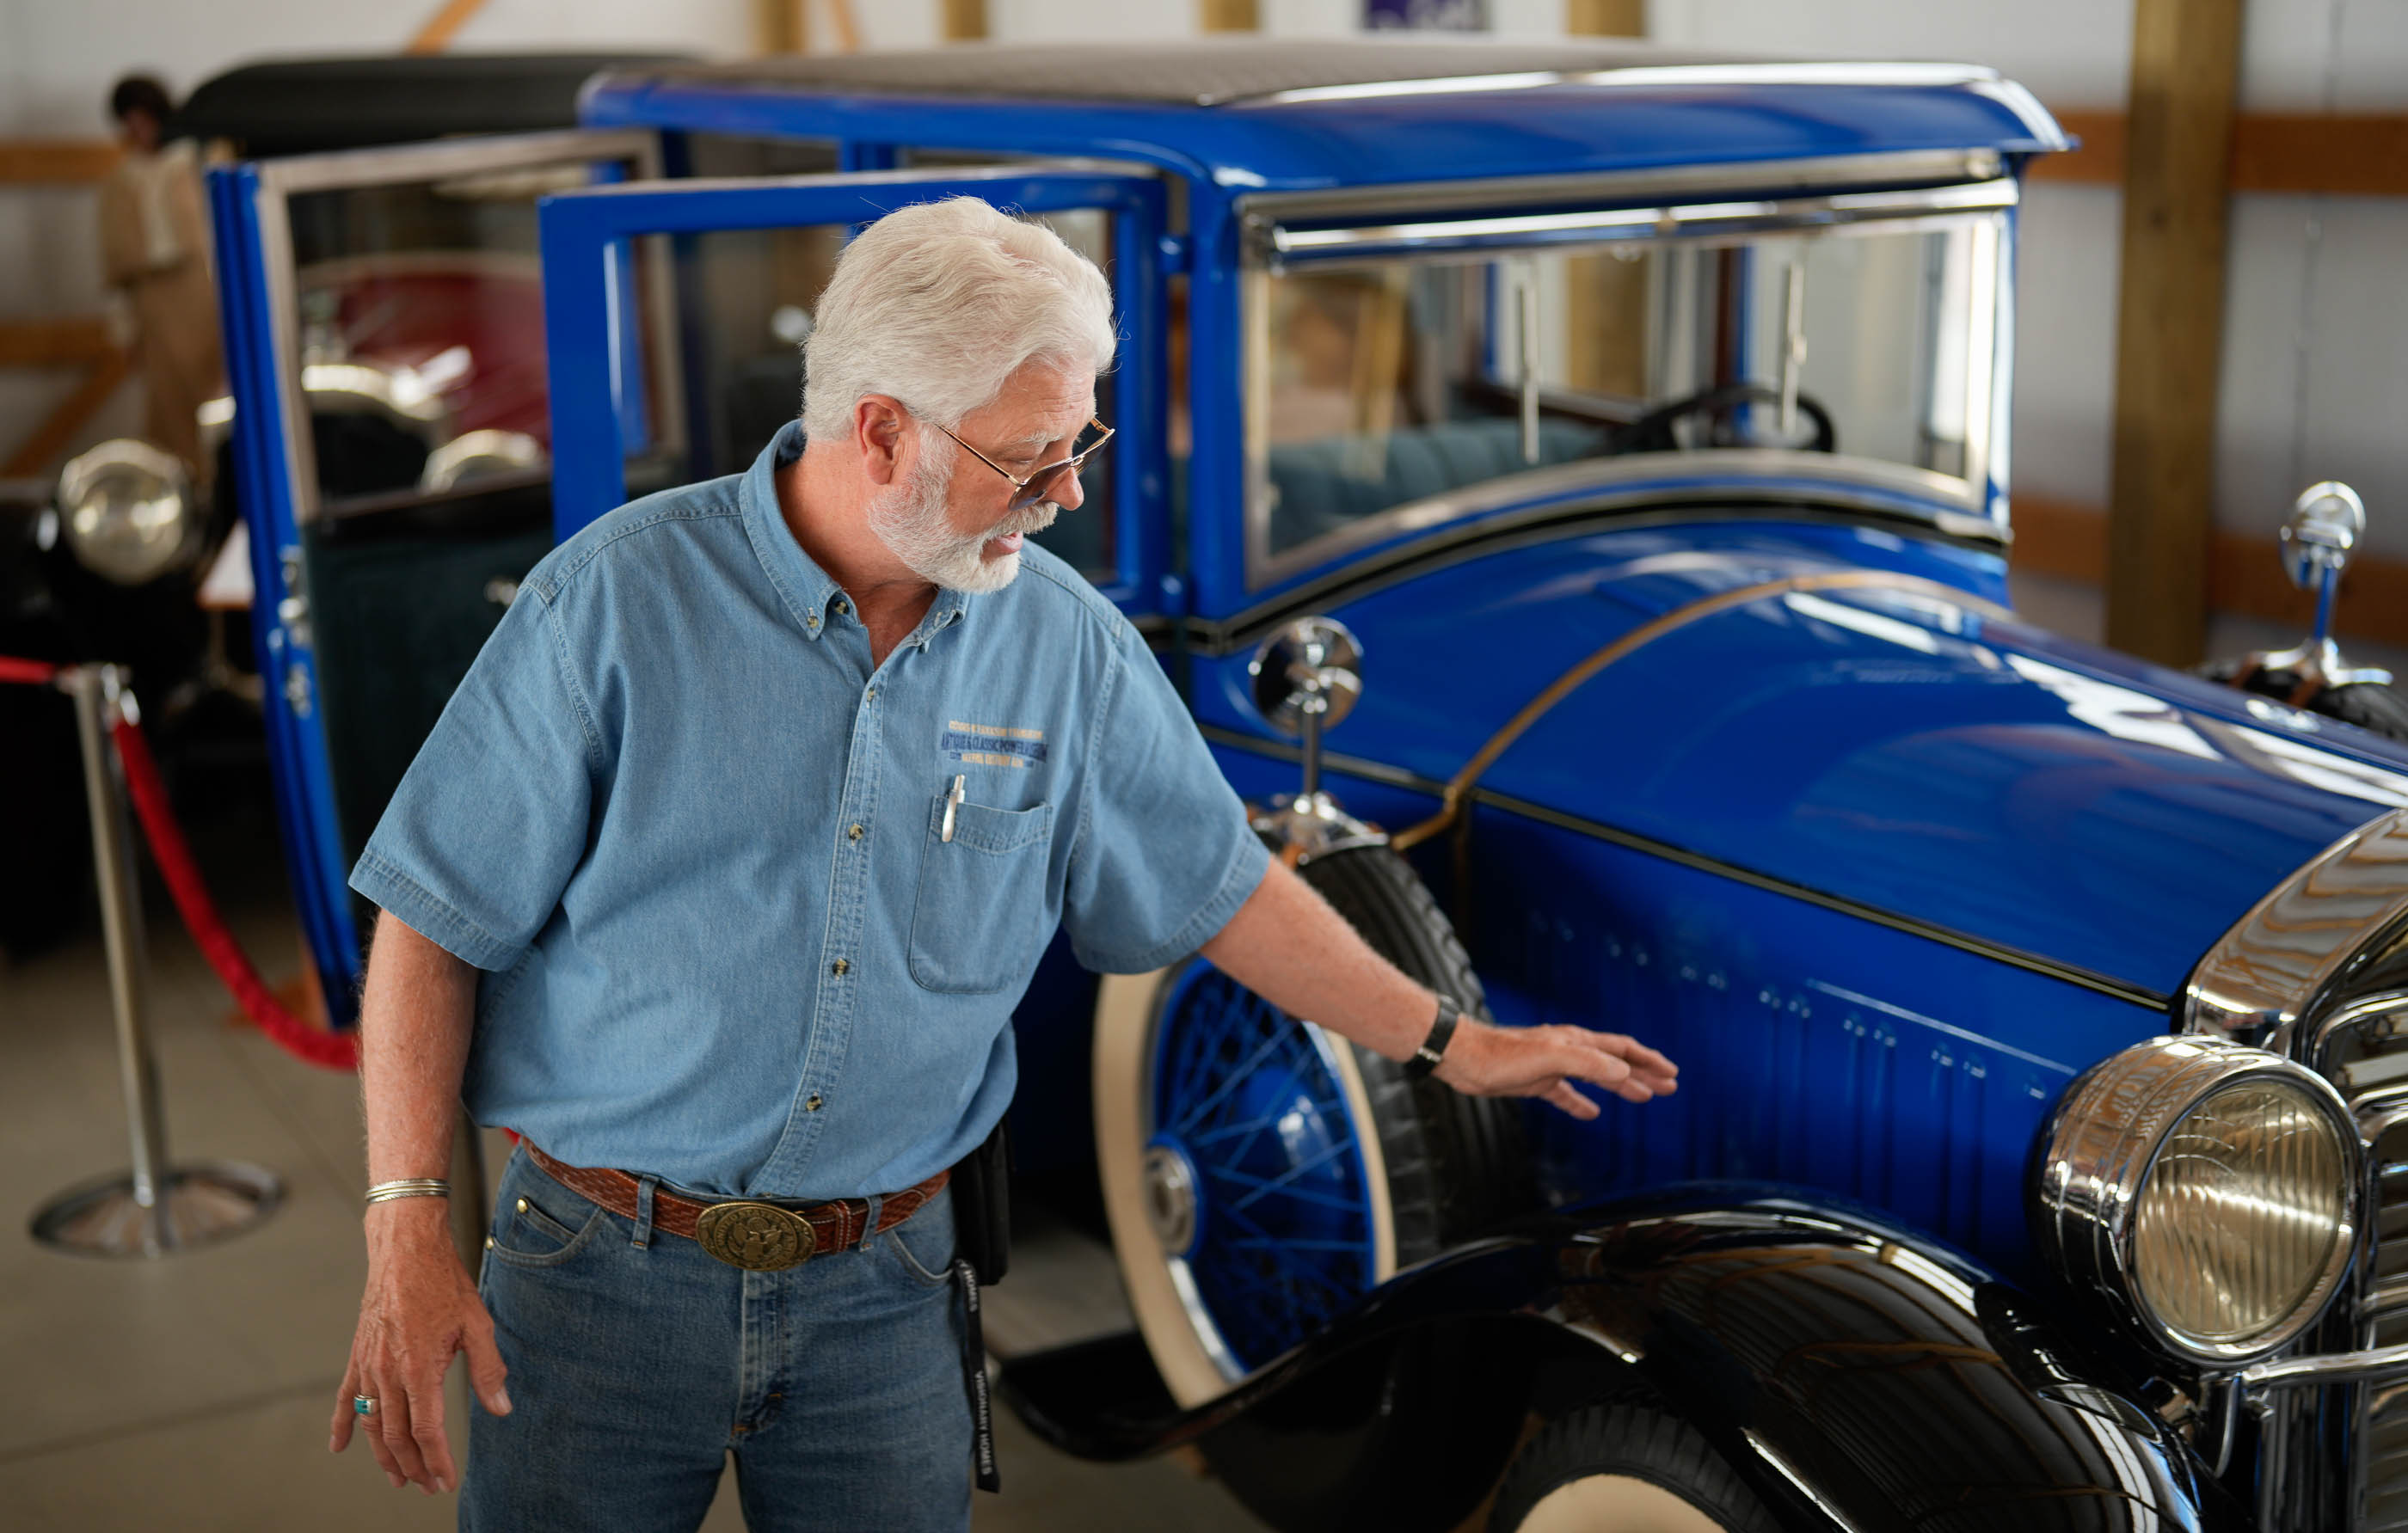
column 1379, row 384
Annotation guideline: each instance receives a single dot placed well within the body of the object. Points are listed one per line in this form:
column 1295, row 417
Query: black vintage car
column 106, row 562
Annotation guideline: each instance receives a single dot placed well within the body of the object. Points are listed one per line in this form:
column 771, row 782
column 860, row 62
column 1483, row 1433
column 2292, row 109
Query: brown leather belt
column 756, row 1237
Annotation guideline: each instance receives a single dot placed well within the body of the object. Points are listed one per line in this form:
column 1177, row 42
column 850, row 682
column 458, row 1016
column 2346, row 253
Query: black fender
column 1862, row 1377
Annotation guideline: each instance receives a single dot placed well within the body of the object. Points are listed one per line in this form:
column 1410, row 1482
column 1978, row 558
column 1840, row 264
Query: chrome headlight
column 2207, row 1191
column 127, row 512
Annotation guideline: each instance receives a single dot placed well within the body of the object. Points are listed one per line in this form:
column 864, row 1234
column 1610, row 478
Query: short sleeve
column 490, row 819
column 1164, row 855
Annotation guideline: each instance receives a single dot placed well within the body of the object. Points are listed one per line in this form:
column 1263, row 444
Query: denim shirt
column 732, row 934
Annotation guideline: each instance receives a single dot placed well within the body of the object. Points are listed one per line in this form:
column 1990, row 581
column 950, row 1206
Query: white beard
column 910, row 520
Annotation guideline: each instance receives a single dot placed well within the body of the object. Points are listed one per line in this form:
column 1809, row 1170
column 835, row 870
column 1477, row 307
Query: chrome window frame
column 1273, row 246
column 280, row 180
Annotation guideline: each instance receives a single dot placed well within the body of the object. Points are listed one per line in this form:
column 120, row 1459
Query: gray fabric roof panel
column 1202, row 72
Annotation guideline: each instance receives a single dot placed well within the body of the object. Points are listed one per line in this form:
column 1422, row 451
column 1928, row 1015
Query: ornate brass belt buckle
column 756, row 1237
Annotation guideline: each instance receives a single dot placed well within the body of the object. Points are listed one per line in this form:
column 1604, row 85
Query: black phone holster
column 981, row 1185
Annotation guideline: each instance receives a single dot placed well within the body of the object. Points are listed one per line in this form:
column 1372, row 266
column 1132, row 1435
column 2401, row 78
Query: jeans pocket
column 978, row 920
column 924, row 1244
column 526, row 1234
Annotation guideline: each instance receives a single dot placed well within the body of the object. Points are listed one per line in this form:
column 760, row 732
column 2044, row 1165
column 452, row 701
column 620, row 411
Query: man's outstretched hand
column 1482, row 1060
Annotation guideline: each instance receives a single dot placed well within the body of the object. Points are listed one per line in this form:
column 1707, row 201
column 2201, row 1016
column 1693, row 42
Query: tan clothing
column 154, row 245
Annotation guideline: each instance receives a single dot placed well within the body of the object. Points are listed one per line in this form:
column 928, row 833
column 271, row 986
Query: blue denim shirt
column 700, row 847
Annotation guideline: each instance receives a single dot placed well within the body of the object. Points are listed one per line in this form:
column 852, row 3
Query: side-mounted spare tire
column 2370, row 705
column 1262, row 1175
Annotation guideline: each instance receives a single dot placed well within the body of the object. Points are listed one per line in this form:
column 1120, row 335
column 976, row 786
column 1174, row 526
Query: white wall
column 2315, row 341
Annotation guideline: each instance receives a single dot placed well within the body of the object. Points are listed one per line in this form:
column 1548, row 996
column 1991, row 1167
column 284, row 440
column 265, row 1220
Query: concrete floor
column 193, row 1393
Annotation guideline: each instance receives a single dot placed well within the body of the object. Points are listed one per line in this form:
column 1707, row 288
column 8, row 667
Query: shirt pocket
column 978, row 920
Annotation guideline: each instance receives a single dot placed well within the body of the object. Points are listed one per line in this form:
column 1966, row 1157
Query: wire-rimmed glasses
column 1041, row 482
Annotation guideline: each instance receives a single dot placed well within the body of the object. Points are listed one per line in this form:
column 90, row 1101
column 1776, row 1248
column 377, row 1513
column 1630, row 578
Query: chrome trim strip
column 1800, row 72
column 2297, row 948
column 344, row 169
column 2315, row 1044
column 1400, row 777
column 1761, row 176
column 1008, row 170
column 1901, row 74
column 1281, row 247
column 282, row 180
column 2374, row 1365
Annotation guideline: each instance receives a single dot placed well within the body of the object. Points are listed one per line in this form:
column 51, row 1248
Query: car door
column 748, row 259
column 389, row 429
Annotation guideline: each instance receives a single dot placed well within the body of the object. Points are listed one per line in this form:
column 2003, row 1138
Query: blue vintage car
column 1615, row 442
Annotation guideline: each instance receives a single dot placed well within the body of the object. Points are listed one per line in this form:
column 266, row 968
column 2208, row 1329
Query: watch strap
column 1426, row 1058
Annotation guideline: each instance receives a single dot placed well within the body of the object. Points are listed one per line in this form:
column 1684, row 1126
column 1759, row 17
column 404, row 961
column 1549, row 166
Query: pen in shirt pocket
column 953, row 802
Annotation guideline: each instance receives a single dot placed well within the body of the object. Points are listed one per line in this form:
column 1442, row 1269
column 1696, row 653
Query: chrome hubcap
column 1170, row 1197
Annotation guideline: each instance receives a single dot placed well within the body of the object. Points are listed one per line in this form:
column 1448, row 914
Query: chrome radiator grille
column 2364, row 1052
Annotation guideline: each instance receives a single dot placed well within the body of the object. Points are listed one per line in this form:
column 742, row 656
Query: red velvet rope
column 328, row 1051
column 32, row 673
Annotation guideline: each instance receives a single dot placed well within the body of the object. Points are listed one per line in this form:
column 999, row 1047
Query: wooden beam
column 1605, row 300
column 847, row 30
column 779, row 26
column 1229, row 15
column 965, row 20
column 1605, row 18
column 2349, row 156
column 439, row 30
column 2096, row 160
column 49, row 440
column 2169, row 329
column 2061, row 540
column 56, row 162
column 78, row 342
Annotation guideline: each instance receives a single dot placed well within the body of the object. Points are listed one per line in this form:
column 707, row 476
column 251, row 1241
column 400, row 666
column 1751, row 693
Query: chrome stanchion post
column 155, row 1208
column 96, row 690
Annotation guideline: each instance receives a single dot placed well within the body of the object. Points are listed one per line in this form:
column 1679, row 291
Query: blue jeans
column 637, row 1364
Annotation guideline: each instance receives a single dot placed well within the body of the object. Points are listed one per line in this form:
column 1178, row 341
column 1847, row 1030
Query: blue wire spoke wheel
column 1261, row 1173
column 1262, row 1176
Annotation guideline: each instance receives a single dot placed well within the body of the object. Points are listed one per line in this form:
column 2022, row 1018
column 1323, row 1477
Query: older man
column 720, row 879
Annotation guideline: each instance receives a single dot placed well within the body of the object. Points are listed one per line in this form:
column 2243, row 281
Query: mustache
column 1036, row 518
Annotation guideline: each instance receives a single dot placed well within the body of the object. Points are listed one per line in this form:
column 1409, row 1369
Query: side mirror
column 2318, row 538
column 2321, row 533
column 1308, row 676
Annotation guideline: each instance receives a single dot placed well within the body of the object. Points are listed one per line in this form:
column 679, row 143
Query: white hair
column 939, row 303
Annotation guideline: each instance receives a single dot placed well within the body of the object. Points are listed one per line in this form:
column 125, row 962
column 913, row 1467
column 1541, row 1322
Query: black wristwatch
column 1424, row 1059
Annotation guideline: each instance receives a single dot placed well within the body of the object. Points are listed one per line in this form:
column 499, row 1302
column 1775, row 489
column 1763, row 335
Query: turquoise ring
column 362, row 1405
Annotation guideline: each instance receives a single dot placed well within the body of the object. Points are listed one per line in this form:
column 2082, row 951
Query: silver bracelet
column 418, row 1186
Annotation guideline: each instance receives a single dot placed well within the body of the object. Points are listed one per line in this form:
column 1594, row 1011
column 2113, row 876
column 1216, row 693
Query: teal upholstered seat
column 1320, row 486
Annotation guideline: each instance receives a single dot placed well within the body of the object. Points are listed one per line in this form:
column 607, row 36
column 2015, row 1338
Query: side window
column 1379, row 383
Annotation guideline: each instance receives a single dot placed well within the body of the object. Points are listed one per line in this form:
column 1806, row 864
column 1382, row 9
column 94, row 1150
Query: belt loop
column 870, row 1221
column 644, row 1186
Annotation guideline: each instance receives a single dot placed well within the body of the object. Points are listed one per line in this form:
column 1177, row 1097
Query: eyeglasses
column 1039, row 484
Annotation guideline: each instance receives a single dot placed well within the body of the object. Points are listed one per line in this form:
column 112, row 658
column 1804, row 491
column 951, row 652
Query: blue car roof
column 1297, row 115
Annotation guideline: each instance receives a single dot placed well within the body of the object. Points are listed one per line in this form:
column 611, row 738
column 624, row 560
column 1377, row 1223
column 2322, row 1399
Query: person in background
column 154, row 243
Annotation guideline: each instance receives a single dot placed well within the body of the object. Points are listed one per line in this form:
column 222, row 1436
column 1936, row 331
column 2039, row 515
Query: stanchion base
column 197, row 1205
